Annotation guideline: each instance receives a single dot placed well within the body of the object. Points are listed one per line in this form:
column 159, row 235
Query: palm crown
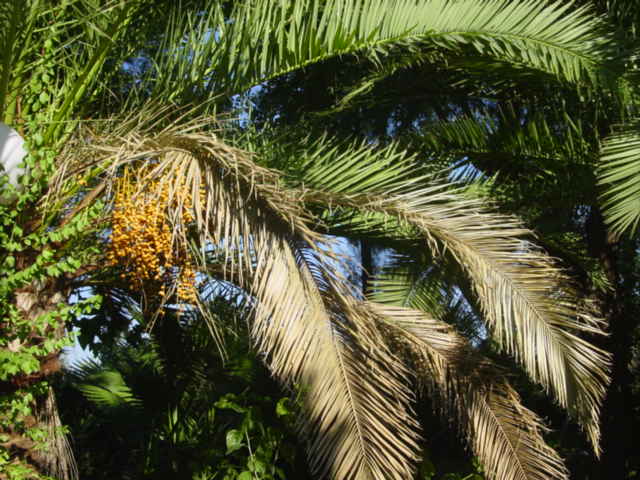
column 261, row 232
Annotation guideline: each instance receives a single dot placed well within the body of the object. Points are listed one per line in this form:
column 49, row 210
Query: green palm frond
column 12, row 21
column 504, row 434
column 434, row 286
column 72, row 40
column 407, row 282
column 541, row 140
column 102, row 386
column 262, row 40
column 102, row 31
column 18, row 29
column 619, row 175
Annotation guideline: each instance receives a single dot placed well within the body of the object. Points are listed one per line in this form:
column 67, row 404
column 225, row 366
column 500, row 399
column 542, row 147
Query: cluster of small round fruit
column 141, row 243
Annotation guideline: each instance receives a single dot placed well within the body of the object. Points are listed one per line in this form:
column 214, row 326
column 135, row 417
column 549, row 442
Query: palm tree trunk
column 366, row 258
column 617, row 410
column 32, row 302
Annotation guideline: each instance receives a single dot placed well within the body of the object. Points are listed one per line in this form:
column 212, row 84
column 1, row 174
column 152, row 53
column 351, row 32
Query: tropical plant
column 537, row 147
column 219, row 216
column 169, row 405
column 535, row 152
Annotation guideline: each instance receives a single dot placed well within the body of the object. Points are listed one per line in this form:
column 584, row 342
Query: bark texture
column 33, row 301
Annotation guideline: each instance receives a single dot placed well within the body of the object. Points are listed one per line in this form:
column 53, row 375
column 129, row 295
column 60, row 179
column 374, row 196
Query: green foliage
column 32, row 259
column 428, row 471
column 619, row 174
column 171, row 406
column 61, row 61
column 35, row 253
column 52, row 54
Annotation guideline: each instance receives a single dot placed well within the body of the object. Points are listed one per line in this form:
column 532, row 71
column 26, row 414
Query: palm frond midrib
column 405, row 39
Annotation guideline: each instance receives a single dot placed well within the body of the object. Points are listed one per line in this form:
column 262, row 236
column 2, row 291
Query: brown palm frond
column 504, row 434
column 358, row 420
column 527, row 301
column 361, row 425
column 317, row 337
column 355, row 400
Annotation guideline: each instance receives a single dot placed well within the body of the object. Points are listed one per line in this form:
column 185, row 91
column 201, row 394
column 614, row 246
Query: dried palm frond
column 358, row 420
column 528, row 302
column 504, row 434
column 354, row 387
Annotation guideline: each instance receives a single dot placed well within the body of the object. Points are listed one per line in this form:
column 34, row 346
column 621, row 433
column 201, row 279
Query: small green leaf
column 256, row 465
column 234, row 440
column 53, row 271
column 282, row 407
column 227, row 402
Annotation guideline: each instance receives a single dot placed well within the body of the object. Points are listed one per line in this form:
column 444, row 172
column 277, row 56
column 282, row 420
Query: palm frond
column 313, row 338
column 527, row 301
column 59, row 48
column 504, row 434
column 261, row 40
column 433, row 286
column 11, row 21
column 102, row 386
column 348, row 392
column 102, row 30
column 619, row 175
column 540, row 140
column 360, row 422
column 414, row 284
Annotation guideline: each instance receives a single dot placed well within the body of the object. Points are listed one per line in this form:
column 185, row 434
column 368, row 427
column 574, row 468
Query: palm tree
column 158, row 167
column 569, row 167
